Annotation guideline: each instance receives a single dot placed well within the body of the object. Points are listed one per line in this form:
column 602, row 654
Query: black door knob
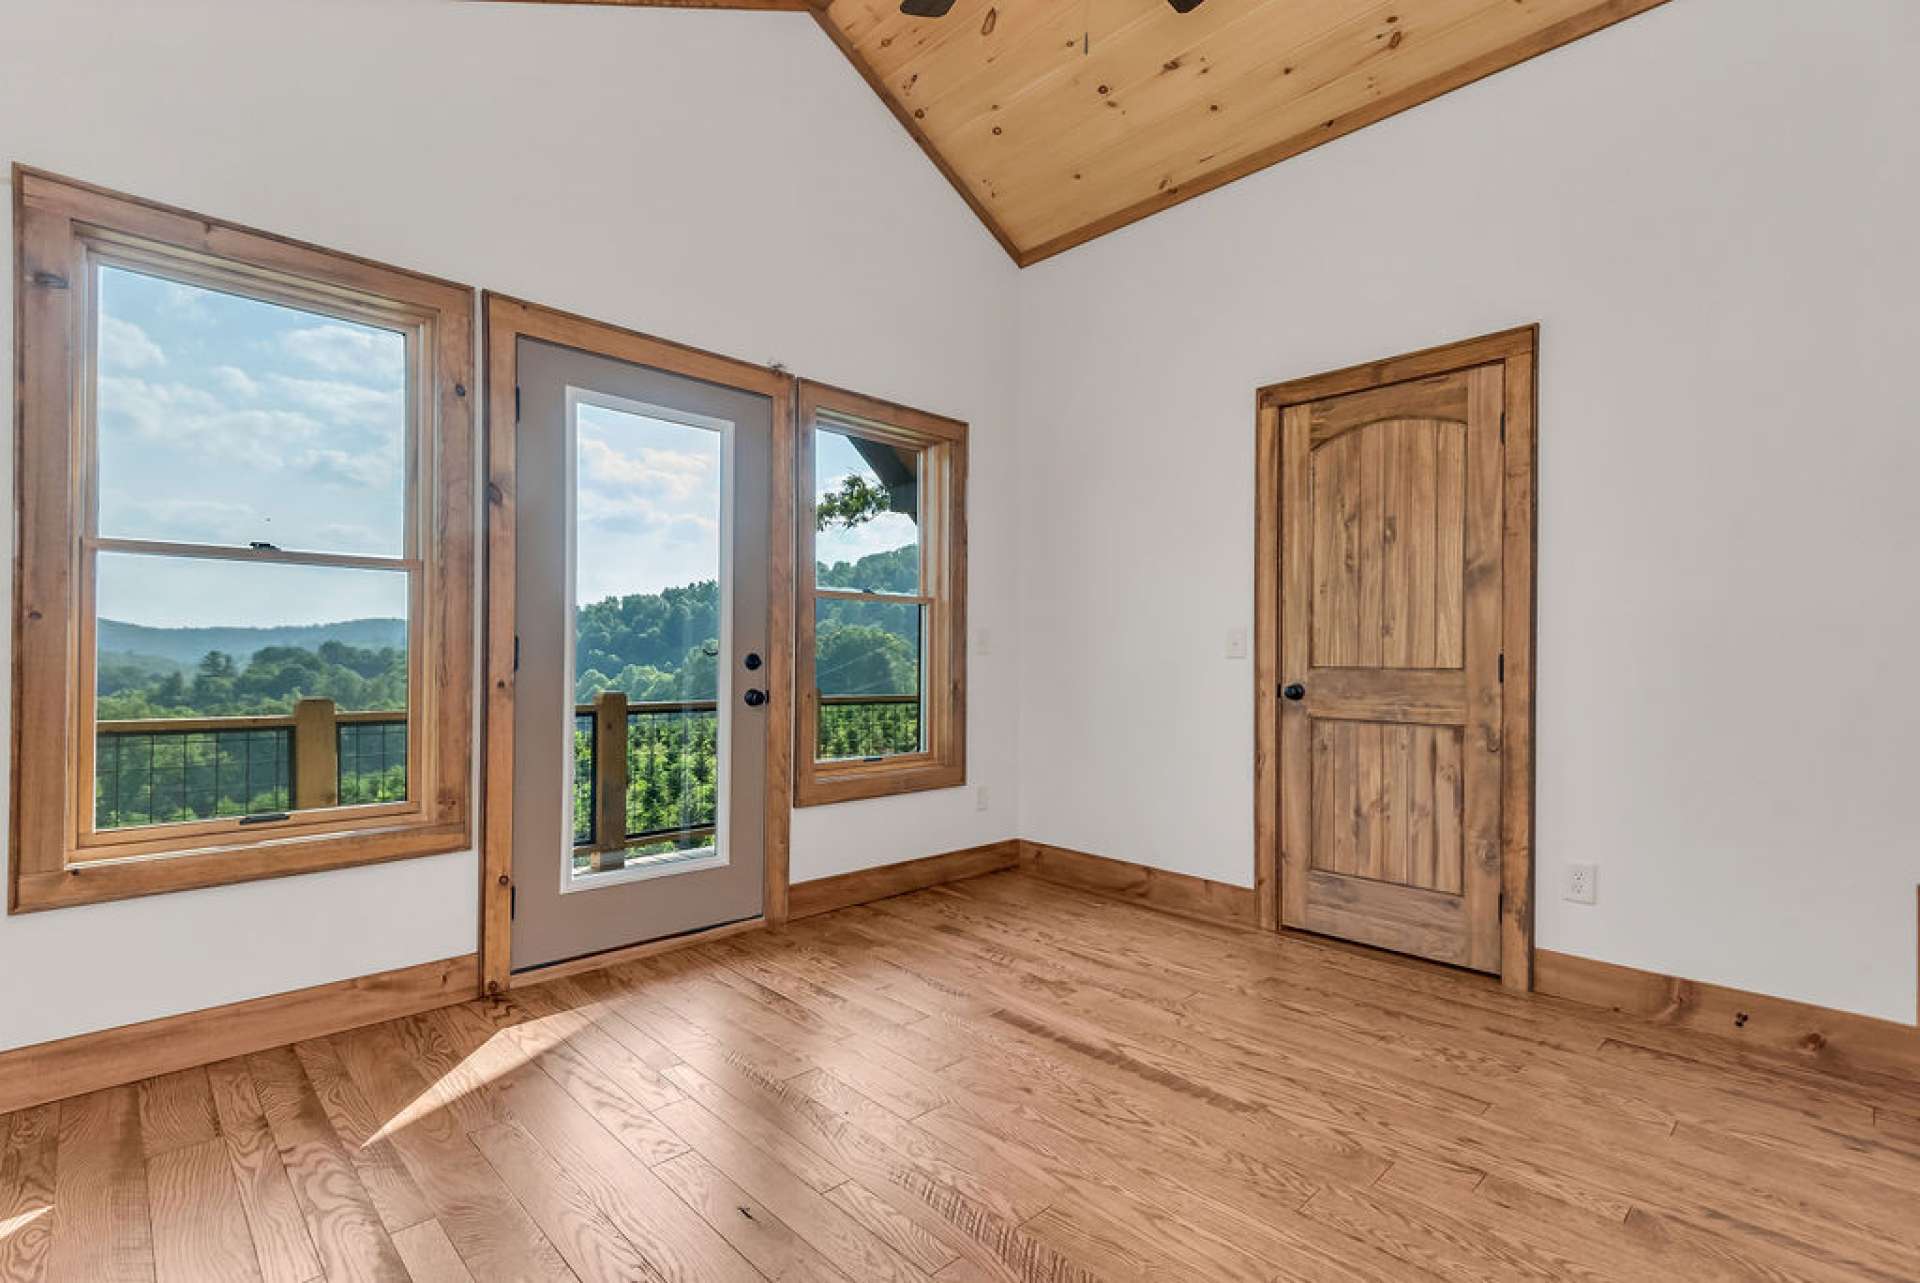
column 755, row 698
column 752, row 661
column 1294, row 691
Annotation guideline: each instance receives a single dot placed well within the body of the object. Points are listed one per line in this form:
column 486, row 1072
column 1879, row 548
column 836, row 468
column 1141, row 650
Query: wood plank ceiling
column 1060, row 120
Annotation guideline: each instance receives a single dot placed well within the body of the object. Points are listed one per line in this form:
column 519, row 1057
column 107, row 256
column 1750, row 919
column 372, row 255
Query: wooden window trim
column 943, row 584
column 62, row 228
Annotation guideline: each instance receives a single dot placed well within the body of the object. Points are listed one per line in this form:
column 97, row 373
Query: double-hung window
column 244, row 612
column 881, row 607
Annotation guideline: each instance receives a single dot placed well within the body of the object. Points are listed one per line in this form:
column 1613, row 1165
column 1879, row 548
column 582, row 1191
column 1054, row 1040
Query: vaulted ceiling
column 1060, row 120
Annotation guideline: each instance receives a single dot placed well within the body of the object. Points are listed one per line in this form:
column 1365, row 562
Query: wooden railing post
column 609, row 780
column 316, row 755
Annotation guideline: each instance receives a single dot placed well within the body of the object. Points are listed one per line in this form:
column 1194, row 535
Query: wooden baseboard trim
column 632, row 953
column 1180, row 893
column 1836, row 1040
column 823, row 895
column 112, row 1057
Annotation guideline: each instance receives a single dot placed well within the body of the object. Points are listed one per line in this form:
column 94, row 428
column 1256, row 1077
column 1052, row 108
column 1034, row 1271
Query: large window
column 244, row 612
column 881, row 667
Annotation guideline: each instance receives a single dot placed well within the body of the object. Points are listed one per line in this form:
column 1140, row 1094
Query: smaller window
column 881, row 654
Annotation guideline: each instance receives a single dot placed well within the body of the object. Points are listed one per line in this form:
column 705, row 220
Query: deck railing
column 661, row 788
column 151, row 770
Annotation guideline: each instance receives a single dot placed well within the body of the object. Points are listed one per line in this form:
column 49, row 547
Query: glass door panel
column 650, row 721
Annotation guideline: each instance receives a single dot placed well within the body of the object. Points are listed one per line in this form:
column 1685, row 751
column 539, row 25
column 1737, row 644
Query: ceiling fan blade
column 927, row 8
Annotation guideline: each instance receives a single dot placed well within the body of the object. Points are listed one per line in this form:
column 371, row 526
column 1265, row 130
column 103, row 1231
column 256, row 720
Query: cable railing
column 663, row 789
column 662, row 793
column 160, row 770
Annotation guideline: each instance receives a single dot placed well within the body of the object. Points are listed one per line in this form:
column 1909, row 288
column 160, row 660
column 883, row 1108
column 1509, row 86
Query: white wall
column 723, row 179
column 1711, row 210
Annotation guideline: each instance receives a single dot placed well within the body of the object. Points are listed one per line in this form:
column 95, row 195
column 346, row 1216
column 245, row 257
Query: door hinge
column 516, row 411
column 1503, row 425
column 513, row 903
column 516, row 652
column 1503, row 666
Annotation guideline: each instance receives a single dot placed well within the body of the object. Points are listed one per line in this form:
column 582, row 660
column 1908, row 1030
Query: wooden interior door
column 1391, row 665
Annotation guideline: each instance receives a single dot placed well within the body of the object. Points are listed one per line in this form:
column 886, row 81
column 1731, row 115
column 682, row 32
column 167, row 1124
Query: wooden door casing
column 1395, row 796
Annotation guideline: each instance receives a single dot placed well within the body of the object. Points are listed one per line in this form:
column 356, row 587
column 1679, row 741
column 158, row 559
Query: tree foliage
column 855, row 503
column 660, row 646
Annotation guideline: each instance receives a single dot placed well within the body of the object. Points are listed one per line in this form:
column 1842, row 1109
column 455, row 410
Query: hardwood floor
column 998, row 1079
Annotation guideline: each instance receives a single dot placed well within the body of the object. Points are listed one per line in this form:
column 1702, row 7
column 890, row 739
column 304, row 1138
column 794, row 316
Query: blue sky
column 227, row 420
column 647, row 511
column 834, row 459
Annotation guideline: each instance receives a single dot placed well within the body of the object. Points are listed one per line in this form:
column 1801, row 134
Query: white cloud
column 675, row 475
column 884, row 533
column 375, row 356
column 193, row 421
column 345, row 402
column 125, row 346
column 182, row 520
column 369, row 470
column 235, row 382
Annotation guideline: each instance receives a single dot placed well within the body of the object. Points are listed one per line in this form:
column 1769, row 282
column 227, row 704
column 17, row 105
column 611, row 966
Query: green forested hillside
column 661, row 646
column 353, row 677
column 654, row 646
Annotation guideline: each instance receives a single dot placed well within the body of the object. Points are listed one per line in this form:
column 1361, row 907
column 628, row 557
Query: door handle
column 1294, row 691
column 755, row 698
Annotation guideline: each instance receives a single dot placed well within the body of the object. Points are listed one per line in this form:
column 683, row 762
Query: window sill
column 95, row 881
column 824, row 786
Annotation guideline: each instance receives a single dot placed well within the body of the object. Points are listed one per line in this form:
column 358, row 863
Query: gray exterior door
column 641, row 580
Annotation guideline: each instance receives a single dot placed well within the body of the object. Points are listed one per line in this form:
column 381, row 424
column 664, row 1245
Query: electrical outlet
column 1583, row 883
column 980, row 801
column 1236, row 643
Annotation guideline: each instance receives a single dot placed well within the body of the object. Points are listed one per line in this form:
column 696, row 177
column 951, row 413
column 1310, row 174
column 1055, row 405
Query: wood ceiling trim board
column 1289, row 86
column 913, row 130
column 1596, row 18
column 1074, row 136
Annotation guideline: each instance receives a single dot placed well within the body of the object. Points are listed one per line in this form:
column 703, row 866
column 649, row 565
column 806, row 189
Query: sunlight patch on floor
column 14, row 1224
column 502, row 1054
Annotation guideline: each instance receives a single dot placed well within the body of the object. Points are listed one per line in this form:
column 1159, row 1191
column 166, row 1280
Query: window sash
column 94, row 843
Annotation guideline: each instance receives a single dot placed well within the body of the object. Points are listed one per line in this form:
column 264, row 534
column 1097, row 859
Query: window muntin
column 138, row 484
column 882, row 599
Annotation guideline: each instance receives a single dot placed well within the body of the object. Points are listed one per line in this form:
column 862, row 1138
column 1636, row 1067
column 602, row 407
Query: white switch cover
column 1236, row 643
column 980, row 800
column 982, row 642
